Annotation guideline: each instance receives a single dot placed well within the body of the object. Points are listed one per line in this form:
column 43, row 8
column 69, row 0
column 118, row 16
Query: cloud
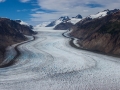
column 64, row 5
column 24, row 10
column 71, row 8
column 35, row 9
column 2, row 1
column 24, row 1
column 94, row 5
column 42, row 16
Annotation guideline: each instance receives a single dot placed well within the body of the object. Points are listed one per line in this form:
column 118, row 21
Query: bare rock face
column 63, row 26
column 101, row 34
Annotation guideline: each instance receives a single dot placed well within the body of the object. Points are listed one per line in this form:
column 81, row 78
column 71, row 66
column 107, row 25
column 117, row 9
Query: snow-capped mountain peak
column 64, row 18
column 22, row 22
column 99, row 15
column 78, row 16
column 103, row 13
column 76, row 19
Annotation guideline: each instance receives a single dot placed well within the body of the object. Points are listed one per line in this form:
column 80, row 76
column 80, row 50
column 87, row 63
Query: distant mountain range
column 63, row 20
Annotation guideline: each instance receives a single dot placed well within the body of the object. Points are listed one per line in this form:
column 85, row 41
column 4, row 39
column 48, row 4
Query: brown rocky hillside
column 101, row 34
column 11, row 32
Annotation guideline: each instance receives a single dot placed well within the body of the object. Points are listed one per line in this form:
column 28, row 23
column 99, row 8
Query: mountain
column 102, row 13
column 78, row 16
column 76, row 19
column 67, row 22
column 44, row 24
column 65, row 19
column 11, row 32
column 27, row 29
column 24, row 23
column 99, row 33
column 62, row 23
column 60, row 20
column 63, row 26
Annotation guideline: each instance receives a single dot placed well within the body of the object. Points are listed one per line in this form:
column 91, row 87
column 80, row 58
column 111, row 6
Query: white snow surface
column 42, row 24
column 74, row 20
column 42, row 28
column 99, row 15
column 50, row 63
column 58, row 22
column 75, row 41
column 24, row 23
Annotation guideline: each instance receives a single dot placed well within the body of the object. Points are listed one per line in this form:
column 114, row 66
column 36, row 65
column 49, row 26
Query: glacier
column 50, row 63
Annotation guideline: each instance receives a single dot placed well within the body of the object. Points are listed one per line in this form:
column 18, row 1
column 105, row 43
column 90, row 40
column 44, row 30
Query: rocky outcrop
column 24, row 23
column 100, row 34
column 11, row 32
column 51, row 24
column 78, row 16
column 63, row 26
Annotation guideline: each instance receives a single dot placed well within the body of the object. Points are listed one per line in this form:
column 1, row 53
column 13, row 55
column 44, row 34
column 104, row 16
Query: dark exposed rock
column 64, row 18
column 63, row 26
column 79, row 16
column 51, row 24
column 112, row 11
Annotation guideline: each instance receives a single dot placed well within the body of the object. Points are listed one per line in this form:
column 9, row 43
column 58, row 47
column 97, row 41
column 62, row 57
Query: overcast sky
column 37, row 11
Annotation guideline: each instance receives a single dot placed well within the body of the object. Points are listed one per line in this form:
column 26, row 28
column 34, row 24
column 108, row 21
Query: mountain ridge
column 11, row 32
column 99, row 34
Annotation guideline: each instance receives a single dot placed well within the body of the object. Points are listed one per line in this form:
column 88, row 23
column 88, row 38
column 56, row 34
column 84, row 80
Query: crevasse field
column 50, row 63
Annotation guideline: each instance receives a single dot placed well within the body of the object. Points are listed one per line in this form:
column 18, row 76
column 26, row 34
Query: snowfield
column 99, row 15
column 50, row 63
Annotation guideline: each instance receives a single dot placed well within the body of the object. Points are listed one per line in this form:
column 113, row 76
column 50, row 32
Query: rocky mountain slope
column 25, row 25
column 11, row 32
column 99, row 34
column 63, row 26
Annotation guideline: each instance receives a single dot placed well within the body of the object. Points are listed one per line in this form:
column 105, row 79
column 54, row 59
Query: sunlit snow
column 99, row 15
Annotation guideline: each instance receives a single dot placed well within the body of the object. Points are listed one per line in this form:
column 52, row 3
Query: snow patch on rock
column 99, row 15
